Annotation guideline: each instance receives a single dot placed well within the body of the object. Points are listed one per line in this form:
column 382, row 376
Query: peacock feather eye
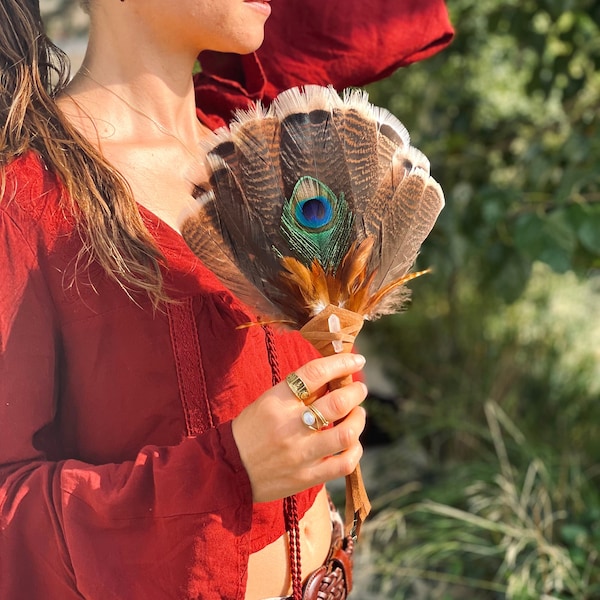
column 314, row 213
column 314, row 204
column 316, row 223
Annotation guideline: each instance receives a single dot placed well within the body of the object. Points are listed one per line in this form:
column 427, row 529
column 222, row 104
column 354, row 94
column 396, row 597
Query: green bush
column 509, row 319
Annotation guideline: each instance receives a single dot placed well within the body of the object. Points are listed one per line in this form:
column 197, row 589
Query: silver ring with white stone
column 313, row 418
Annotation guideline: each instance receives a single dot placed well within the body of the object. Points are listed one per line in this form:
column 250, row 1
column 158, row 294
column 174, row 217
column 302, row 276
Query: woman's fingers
column 329, row 461
column 340, row 464
column 315, row 375
column 339, row 438
column 334, row 406
column 282, row 455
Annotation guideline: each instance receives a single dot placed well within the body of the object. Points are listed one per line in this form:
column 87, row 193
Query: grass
column 517, row 531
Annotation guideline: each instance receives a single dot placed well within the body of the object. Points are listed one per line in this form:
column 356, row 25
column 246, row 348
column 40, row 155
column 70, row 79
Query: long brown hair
column 33, row 71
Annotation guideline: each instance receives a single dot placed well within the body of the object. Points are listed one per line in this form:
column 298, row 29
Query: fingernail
column 359, row 360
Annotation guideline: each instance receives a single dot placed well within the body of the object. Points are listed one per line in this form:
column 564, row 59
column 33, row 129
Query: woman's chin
column 249, row 44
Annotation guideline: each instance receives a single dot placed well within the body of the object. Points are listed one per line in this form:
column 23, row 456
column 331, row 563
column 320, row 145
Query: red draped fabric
column 338, row 42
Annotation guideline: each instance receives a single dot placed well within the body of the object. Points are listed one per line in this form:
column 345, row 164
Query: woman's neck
column 131, row 90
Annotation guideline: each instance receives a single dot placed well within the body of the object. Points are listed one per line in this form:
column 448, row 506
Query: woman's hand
column 282, row 455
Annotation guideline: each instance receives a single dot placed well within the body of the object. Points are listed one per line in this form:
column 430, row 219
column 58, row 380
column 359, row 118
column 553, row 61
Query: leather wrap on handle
column 317, row 331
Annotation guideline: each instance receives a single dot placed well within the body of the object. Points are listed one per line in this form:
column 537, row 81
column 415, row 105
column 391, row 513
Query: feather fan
column 318, row 205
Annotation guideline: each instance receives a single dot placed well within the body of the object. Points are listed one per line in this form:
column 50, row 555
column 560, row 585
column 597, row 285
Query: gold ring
column 298, row 387
column 313, row 418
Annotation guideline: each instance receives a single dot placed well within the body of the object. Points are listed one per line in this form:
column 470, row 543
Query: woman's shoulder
column 29, row 184
column 32, row 195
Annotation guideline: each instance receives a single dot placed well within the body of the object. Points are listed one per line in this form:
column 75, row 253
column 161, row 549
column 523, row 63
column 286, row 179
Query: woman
column 146, row 444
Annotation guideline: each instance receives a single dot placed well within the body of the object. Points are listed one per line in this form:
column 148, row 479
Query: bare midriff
column 268, row 569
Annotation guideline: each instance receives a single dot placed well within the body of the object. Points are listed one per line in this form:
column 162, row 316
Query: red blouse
column 116, row 449
column 119, row 475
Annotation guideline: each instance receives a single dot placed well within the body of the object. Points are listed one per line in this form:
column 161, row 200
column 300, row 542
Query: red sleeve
column 70, row 530
column 343, row 43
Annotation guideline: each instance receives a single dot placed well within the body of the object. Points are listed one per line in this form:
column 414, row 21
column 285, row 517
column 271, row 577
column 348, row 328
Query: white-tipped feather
column 304, row 100
column 359, row 100
column 417, row 159
column 386, row 118
column 256, row 111
column 212, row 140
